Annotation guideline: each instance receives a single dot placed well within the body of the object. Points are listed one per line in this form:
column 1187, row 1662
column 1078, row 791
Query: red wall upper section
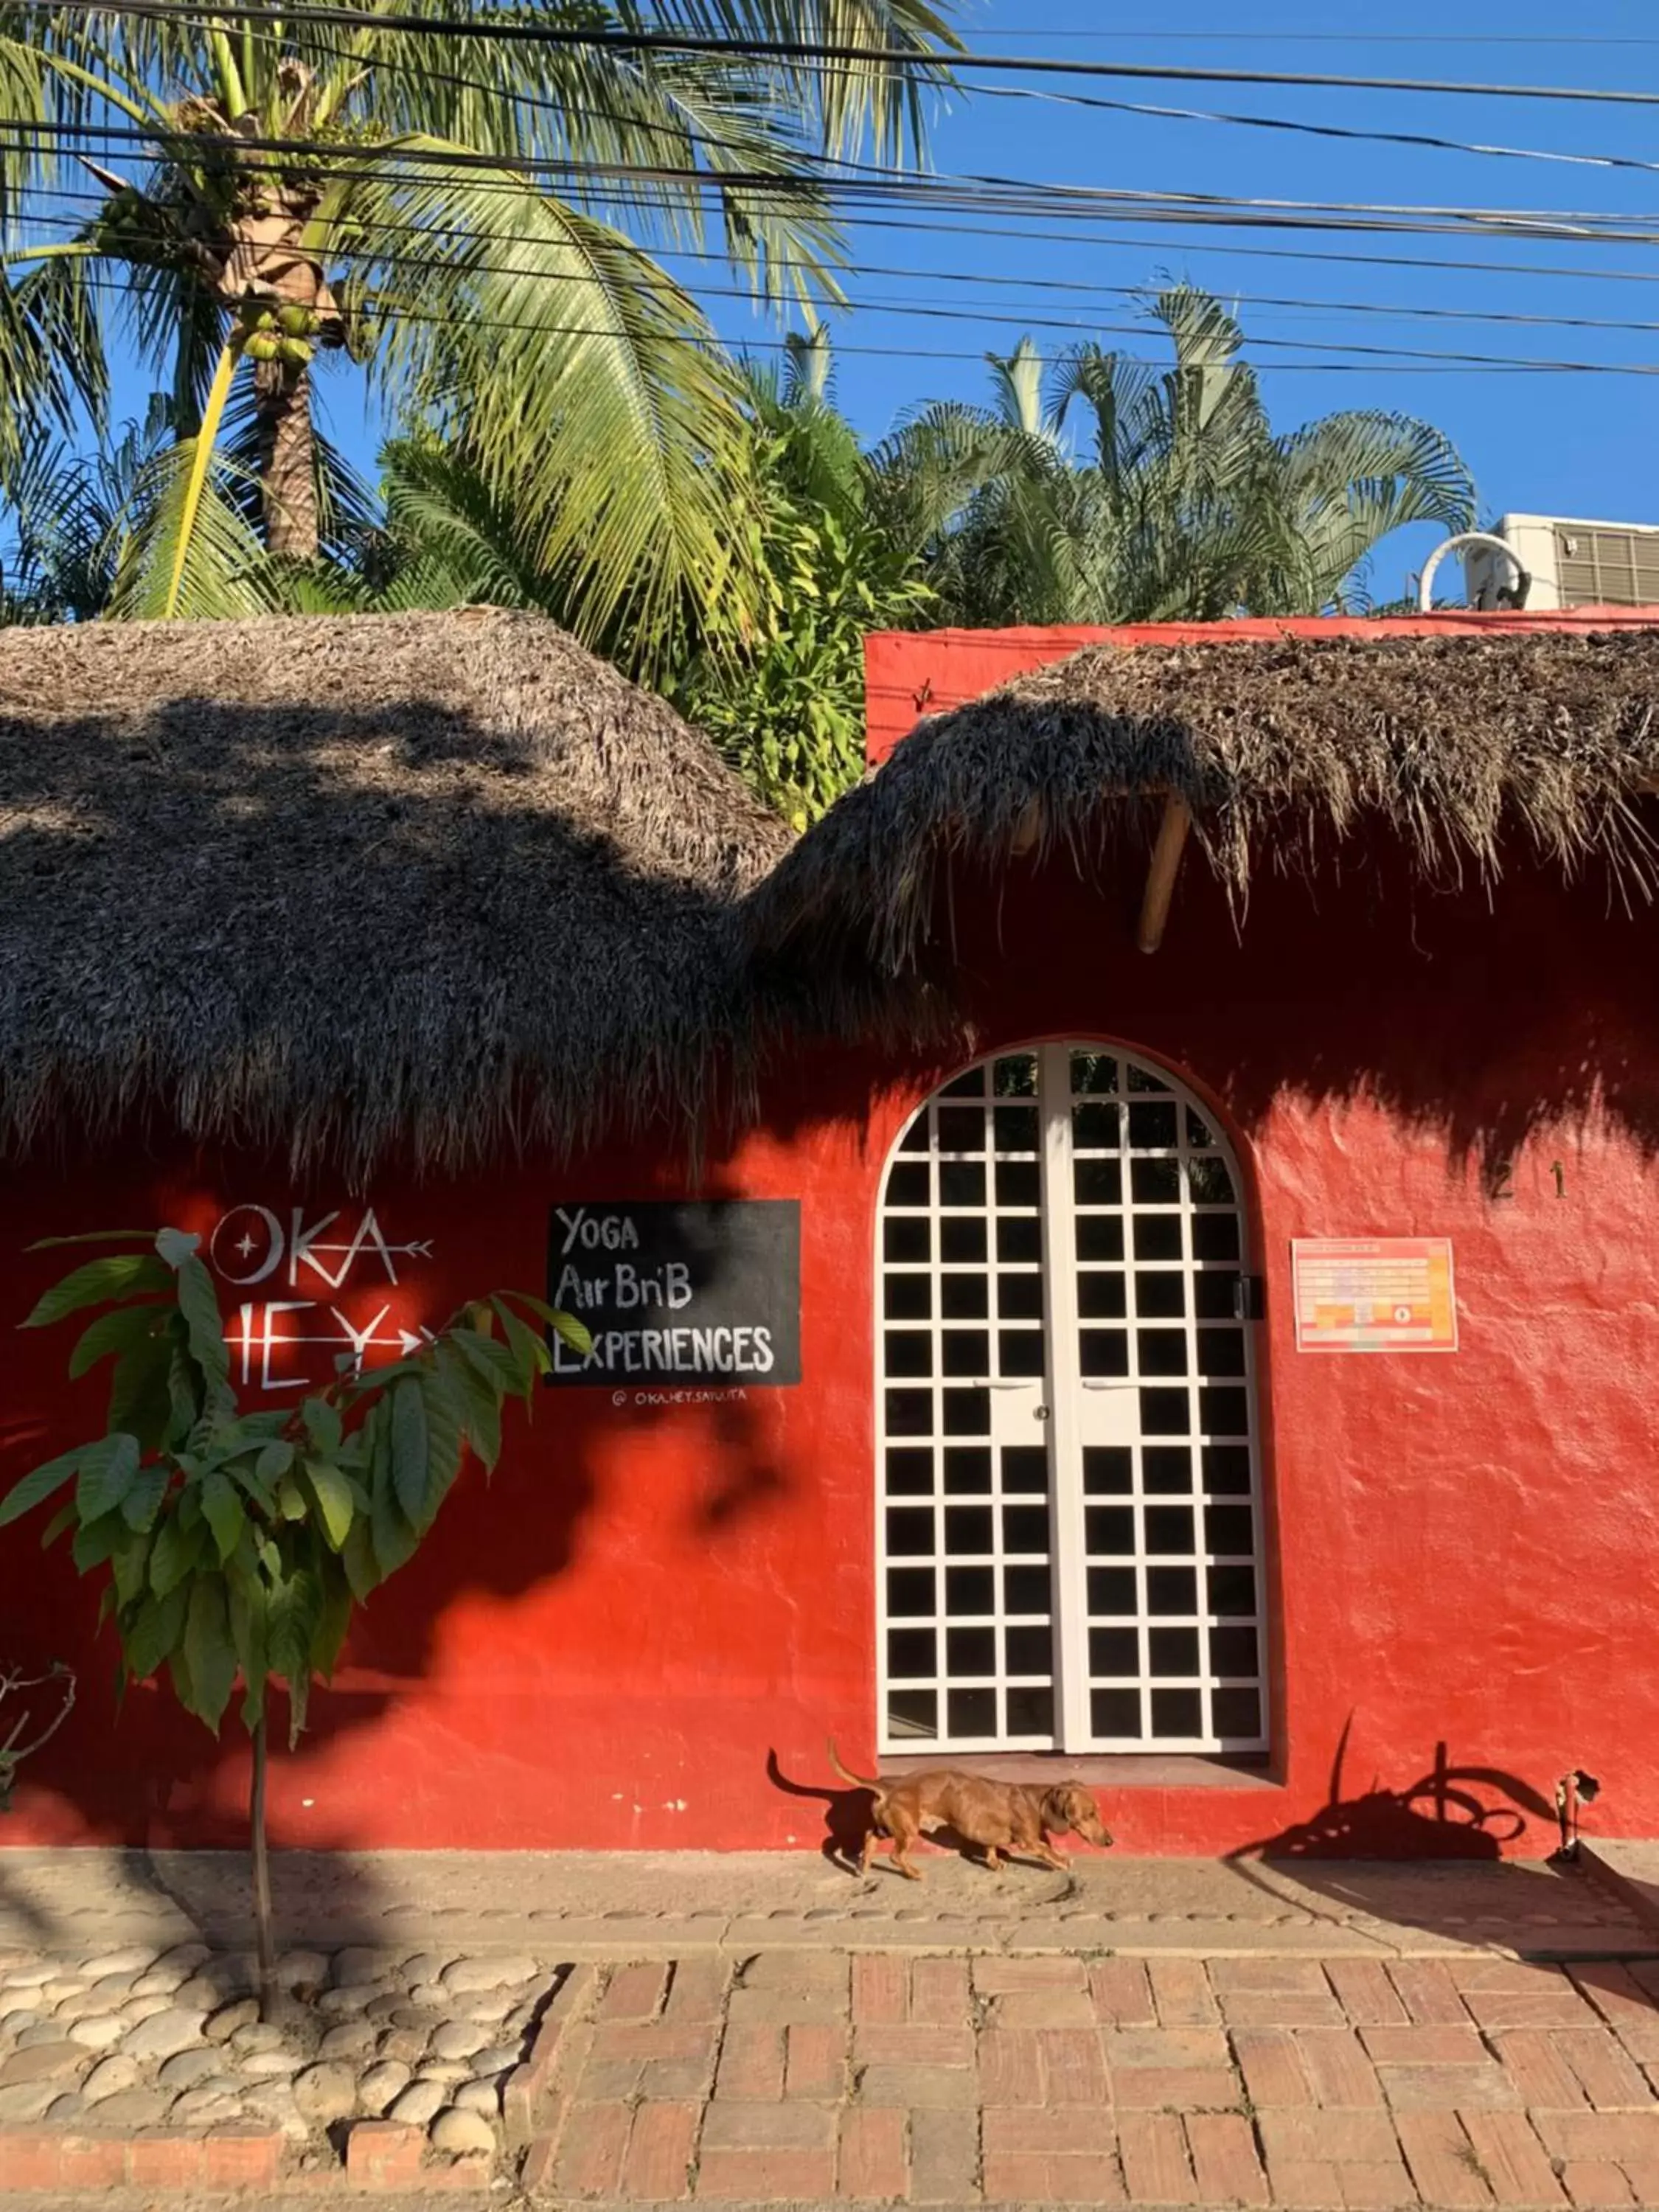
column 606, row 1645
column 910, row 673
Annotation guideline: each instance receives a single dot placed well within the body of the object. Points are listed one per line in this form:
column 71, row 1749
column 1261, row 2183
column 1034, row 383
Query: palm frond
column 814, row 449
column 1016, row 384
column 67, row 512
column 1349, row 479
column 178, row 323
column 204, row 541
column 452, row 541
column 810, row 362
column 24, row 104
column 932, row 464
column 716, row 131
column 594, row 390
column 881, row 102
column 1120, row 395
column 1384, row 455
column 51, row 356
column 1184, row 504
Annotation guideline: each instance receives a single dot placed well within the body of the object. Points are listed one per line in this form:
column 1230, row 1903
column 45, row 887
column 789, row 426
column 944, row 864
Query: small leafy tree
column 235, row 1546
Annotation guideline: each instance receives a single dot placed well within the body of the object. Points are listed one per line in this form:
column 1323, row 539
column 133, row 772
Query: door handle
column 1095, row 1382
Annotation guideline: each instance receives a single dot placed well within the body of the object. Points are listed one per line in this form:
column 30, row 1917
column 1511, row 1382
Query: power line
column 915, row 227
column 935, row 63
column 1422, row 364
column 968, row 193
column 1420, row 140
column 1417, row 140
column 1170, row 35
column 879, row 305
column 721, row 182
column 1330, row 38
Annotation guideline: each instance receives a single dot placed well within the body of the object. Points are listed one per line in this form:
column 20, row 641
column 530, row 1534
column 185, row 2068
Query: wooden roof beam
column 1165, row 866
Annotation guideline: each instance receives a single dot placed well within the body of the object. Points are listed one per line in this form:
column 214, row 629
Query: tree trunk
column 264, row 1922
column 287, row 463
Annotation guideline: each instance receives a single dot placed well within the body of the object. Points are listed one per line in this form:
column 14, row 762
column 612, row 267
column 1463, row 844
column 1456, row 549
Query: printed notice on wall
column 1373, row 1294
column 690, row 1297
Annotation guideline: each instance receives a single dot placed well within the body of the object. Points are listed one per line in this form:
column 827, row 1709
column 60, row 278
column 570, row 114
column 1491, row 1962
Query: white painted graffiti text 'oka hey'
column 300, row 1343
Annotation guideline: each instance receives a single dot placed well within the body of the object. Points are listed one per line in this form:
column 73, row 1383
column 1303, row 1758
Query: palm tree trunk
column 287, row 460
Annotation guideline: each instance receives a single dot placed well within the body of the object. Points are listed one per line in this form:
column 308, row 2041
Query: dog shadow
column 846, row 1814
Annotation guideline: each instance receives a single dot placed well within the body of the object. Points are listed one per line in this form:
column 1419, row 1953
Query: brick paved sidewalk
column 871, row 2078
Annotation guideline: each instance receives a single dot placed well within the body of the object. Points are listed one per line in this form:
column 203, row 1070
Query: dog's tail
column 859, row 1781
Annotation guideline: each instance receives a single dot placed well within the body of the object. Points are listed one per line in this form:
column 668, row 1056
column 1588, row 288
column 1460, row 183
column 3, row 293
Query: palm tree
column 1184, row 503
column 275, row 194
column 779, row 684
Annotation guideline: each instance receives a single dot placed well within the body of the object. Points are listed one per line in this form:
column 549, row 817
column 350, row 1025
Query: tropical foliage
column 787, row 702
column 1097, row 491
column 1105, row 491
column 233, row 1547
column 730, row 541
column 290, row 197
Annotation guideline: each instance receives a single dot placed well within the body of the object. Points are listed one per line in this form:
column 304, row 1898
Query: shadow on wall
column 462, row 864
column 1456, row 1816
column 846, row 1813
column 135, row 1769
column 1477, row 1014
column 1477, row 1021
column 1469, row 1812
column 1471, row 1815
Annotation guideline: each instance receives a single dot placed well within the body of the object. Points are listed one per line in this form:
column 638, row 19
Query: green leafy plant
column 785, row 699
column 235, row 1546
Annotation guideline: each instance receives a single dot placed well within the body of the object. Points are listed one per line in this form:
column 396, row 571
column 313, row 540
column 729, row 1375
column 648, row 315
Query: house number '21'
column 1503, row 1180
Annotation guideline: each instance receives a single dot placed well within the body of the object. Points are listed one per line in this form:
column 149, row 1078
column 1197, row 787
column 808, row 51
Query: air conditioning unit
column 1572, row 564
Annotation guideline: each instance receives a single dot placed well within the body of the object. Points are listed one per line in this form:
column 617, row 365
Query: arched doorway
column 1069, row 1532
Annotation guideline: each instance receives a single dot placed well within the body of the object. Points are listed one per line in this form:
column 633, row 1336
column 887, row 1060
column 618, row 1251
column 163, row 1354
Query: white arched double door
column 1069, row 1532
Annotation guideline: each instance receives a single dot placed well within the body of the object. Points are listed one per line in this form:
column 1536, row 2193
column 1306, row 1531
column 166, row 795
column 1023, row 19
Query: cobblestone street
column 1448, row 2082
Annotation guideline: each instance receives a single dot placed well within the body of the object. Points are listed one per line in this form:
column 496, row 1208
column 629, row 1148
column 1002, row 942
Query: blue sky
column 1564, row 444
column 1553, row 444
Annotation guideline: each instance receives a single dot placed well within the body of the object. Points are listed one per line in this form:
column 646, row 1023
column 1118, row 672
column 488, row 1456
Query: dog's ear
column 1057, row 1805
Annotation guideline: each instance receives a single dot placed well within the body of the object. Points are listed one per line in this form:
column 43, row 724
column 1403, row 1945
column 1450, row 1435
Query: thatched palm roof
column 1466, row 747
column 418, row 883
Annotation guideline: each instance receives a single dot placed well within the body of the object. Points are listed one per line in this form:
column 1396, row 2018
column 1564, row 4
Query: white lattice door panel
column 1069, row 1532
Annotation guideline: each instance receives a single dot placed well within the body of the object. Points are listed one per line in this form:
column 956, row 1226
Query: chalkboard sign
column 678, row 1295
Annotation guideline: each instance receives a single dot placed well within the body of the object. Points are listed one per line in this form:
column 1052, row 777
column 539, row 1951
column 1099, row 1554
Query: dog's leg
column 1050, row 1856
column 868, row 1851
column 903, row 1836
column 992, row 1858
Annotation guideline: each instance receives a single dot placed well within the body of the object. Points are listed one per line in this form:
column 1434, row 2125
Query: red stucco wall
column 606, row 1645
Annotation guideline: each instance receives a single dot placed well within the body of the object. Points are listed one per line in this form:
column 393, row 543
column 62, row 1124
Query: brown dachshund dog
column 1000, row 1817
